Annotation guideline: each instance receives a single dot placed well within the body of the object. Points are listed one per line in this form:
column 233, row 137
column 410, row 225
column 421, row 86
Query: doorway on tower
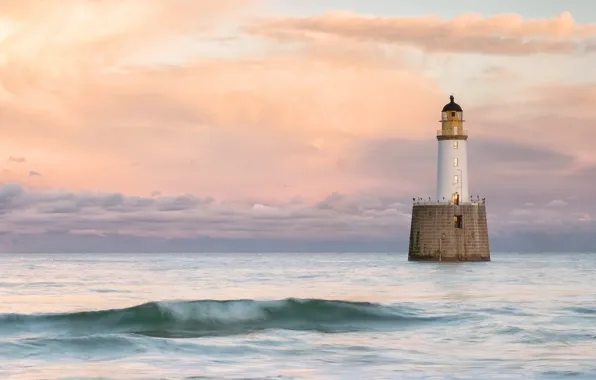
column 455, row 198
column 458, row 221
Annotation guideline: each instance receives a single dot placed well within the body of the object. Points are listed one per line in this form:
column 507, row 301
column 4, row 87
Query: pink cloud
column 269, row 125
column 468, row 33
column 555, row 115
column 17, row 159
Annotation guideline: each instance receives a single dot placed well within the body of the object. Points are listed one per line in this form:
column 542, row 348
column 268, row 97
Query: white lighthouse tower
column 452, row 165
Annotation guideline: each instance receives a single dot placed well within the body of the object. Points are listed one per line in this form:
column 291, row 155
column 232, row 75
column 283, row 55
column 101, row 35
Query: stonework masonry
column 448, row 232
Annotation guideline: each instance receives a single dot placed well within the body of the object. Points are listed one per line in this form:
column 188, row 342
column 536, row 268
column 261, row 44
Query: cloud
column 507, row 34
column 33, row 173
column 494, row 74
column 554, row 115
column 557, row 203
column 32, row 219
column 104, row 30
column 17, row 159
column 273, row 124
column 268, row 125
column 505, row 157
column 188, row 216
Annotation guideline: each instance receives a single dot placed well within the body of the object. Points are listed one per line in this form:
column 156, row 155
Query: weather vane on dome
column 452, row 98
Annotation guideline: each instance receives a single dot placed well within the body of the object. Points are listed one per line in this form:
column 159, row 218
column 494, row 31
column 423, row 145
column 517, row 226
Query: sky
column 289, row 126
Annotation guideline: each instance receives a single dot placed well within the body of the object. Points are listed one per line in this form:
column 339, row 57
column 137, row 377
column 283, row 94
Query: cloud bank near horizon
column 114, row 222
column 211, row 121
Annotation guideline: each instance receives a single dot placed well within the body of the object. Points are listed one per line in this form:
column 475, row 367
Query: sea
column 296, row 316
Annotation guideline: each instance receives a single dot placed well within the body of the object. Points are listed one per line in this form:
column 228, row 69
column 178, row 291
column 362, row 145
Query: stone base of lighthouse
column 447, row 232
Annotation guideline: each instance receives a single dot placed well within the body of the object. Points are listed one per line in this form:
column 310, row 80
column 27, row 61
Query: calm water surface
column 299, row 316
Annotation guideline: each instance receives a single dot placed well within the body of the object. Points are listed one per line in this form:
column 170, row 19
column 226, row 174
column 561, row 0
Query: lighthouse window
column 455, row 162
column 455, row 146
column 455, row 179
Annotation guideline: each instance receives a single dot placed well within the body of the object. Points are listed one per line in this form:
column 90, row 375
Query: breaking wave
column 187, row 319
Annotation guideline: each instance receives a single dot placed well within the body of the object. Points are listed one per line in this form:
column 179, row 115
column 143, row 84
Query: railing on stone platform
column 430, row 201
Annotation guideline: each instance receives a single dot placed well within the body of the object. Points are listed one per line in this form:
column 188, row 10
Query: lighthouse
column 453, row 226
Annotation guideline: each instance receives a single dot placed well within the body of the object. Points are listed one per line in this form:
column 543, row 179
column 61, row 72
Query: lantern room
column 452, row 119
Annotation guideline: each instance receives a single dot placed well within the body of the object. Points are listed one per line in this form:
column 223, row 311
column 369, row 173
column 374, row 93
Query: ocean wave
column 186, row 319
